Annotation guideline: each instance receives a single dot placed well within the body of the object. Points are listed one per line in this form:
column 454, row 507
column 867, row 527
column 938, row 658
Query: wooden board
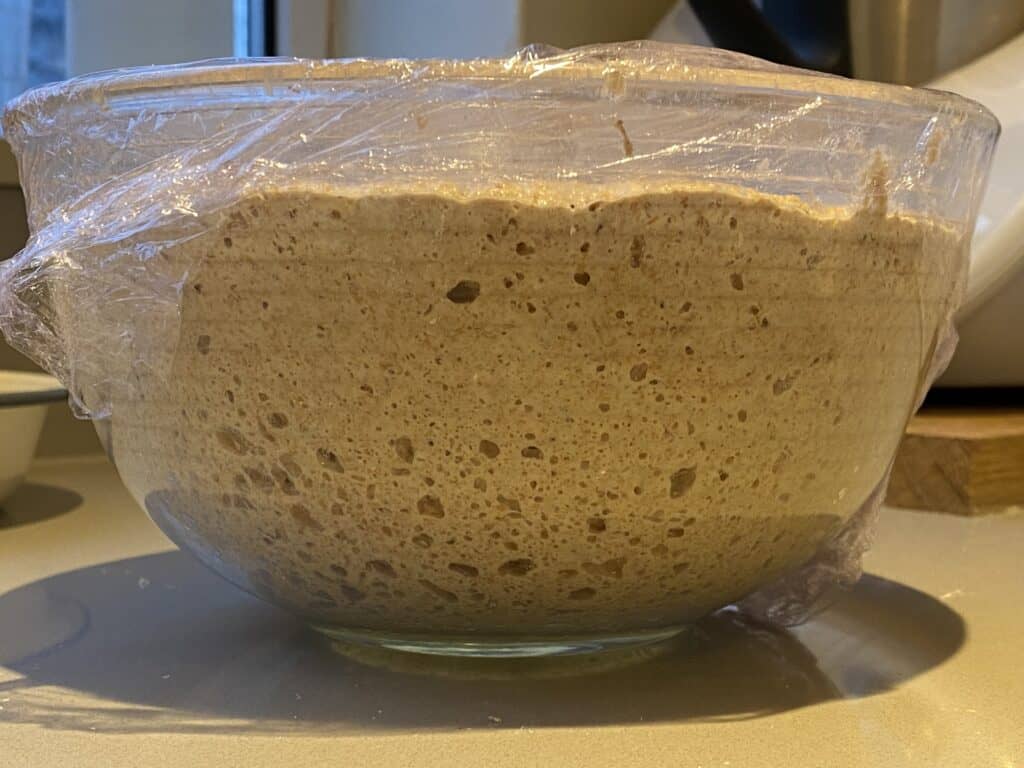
column 963, row 461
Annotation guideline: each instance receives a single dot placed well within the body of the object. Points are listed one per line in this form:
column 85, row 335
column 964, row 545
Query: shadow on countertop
column 34, row 502
column 157, row 643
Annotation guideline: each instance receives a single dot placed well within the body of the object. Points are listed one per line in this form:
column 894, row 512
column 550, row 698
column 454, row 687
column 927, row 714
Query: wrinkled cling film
column 119, row 166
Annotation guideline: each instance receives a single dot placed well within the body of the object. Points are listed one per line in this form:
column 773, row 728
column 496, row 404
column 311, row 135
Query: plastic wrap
column 838, row 564
column 122, row 168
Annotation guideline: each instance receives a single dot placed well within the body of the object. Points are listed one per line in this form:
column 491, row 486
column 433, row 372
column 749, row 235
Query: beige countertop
column 116, row 650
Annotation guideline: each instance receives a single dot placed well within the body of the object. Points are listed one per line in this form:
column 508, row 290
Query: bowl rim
column 20, row 388
column 644, row 63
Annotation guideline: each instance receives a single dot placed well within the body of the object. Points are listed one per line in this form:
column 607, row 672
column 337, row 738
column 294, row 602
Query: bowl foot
column 498, row 646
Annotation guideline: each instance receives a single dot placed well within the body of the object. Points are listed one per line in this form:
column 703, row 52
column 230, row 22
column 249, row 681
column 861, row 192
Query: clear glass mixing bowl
column 496, row 357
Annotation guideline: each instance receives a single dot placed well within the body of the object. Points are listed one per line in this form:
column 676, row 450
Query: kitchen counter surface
column 115, row 649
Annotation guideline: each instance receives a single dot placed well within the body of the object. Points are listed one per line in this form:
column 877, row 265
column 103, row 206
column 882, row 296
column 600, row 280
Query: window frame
column 257, row 35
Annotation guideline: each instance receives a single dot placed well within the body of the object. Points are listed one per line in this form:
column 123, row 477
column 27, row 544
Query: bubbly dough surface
column 423, row 413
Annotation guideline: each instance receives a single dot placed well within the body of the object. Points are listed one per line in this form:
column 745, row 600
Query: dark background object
column 800, row 33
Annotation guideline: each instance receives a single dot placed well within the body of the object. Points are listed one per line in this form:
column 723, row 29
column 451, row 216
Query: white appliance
column 991, row 322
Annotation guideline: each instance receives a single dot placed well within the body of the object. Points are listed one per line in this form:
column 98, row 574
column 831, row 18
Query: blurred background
column 975, row 47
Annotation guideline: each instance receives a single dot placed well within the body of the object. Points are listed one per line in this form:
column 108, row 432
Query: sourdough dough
column 435, row 413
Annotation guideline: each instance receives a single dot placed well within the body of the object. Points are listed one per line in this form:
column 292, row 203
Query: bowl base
column 498, row 646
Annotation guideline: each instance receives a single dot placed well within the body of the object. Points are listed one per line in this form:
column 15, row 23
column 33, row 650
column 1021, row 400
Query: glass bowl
column 513, row 357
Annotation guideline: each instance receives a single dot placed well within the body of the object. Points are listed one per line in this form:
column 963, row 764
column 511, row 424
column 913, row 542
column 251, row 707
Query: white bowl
column 23, row 401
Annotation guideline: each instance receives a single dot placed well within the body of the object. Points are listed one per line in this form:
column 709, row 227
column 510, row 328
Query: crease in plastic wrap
column 119, row 166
